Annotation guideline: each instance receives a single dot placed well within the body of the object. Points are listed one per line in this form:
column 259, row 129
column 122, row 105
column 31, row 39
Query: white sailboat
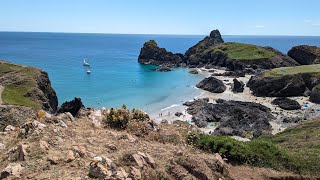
column 85, row 63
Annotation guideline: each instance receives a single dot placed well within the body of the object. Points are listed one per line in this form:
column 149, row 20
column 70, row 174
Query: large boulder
column 245, row 119
column 315, row 94
column 305, row 54
column 151, row 53
column 286, row 103
column 212, row 84
column 72, row 106
column 238, row 86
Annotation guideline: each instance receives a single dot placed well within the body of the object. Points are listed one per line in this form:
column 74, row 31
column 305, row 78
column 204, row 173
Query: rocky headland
column 212, row 51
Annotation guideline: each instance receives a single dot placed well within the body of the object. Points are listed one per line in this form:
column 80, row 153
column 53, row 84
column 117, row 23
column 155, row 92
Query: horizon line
column 111, row 33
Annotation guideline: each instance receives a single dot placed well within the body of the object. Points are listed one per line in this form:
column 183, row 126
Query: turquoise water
column 116, row 76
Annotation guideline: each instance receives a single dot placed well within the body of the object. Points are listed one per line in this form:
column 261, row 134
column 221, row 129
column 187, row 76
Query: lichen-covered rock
column 15, row 115
column 305, row 54
column 212, row 84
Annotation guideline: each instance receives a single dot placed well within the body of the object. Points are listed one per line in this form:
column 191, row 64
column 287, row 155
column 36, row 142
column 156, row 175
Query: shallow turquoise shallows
column 116, row 77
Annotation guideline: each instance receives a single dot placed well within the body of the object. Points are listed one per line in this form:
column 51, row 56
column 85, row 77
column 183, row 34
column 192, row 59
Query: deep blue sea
column 116, row 77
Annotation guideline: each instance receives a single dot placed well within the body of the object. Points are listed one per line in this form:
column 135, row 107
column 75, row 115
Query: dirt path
column 1, row 89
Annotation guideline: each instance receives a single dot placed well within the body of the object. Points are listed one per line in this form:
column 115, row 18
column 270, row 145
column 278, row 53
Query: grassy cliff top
column 303, row 142
column 239, row 51
column 306, row 69
column 18, row 81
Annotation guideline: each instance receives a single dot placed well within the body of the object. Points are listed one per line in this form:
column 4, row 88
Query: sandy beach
column 277, row 125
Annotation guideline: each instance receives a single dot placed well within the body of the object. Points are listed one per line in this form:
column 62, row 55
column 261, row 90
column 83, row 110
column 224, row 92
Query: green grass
column 306, row 69
column 296, row 149
column 239, row 51
column 15, row 92
column 303, row 142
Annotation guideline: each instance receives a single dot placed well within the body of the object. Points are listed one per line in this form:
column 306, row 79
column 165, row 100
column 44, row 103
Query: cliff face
column 284, row 82
column 27, row 86
column 305, row 54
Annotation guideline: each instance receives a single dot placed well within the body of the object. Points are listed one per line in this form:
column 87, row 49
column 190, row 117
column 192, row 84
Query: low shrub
column 120, row 118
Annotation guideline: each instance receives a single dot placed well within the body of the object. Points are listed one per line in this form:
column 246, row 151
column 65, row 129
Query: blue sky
column 232, row 17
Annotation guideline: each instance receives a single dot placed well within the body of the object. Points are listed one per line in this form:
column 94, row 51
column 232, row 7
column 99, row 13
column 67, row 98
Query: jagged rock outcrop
column 151, row 53
column 205, row 44
column 31, row 84
column 245, row 119
column 71, row 106
column 212, row 84
column 238, row 86
column 285, row 82
column 286, row 103
column 305, row 54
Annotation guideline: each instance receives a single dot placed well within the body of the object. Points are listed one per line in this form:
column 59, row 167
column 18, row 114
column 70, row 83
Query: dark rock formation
column 178, row 114
column 234, row 117
column 15, row 115
column 163, row 69
column 305, row 54
column 194, row 71
column 220, row 101
column 151, row 54
column 203, row 45
column 286, row 103
column 283, row 86
column 72, row 106
column 212, row 84
column 315, row 94
column 37, row 80
column 238, row 86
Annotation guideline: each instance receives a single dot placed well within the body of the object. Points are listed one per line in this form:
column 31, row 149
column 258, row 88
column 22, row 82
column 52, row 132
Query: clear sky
column 232, row 17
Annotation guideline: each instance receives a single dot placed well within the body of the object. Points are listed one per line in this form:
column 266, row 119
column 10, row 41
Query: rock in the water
column 163, row 69
column 286, row 103
column 151, row 53
column 305, row 54
column 315, row 94
column 235, row 117
column 212, row 84
column 238, row 86
column 72, row 106
column 194, row 71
